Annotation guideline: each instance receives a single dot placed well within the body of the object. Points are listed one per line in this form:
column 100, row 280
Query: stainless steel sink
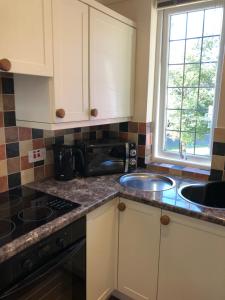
column 207, row 195
column 147, row 182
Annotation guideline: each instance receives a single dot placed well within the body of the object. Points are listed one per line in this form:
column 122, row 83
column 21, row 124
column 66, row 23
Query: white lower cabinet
column 102, row 245
column 128, row 249
column 139, row 237
column 192, row 260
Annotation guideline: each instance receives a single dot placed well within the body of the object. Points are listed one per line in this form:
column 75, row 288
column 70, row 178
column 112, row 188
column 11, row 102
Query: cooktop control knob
column 27, row 265
column 60, row 242
column 133, row 162
column 133, row 152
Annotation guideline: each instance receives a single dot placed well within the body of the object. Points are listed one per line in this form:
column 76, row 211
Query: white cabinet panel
column 192, row 260
column 26, row 36
column 102, row 247
column 112, row 58
column 139, row 236
column 70, row 32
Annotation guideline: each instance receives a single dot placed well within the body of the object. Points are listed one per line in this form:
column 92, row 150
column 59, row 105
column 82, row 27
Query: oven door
column 62, row 278
column 107, row 159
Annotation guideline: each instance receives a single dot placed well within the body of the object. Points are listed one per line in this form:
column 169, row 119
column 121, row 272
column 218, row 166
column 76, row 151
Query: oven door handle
column 45, row 269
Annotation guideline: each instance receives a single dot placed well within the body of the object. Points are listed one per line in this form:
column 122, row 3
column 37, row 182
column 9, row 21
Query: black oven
column 105, row 157
column 53, row 269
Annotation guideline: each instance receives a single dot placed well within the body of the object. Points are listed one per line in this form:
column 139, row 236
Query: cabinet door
column 112, row 57
column 26, row 36
column 192, row 260
column 102, row 246
column 139, row 235
column 70, row 32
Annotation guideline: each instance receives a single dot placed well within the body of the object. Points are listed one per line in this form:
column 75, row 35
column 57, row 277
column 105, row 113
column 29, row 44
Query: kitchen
column 112, row 150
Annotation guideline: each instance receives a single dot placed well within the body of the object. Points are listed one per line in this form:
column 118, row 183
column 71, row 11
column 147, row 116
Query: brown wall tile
column 25, row 163
column 133, row 127
column 1, row 119
column 38, row 143
column 3, row 184
column 25, row 134
column 13, row 165
column 2, row 152
column 27, row 176
column 8, row 102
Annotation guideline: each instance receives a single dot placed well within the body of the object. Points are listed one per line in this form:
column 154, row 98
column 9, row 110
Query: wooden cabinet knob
column 5, row 64
column 165, row 220
column 121, row 206
column 94, row 112
column 60, row 113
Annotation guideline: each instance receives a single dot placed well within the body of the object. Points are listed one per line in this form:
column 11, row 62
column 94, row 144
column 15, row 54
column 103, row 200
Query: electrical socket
column 36, row 155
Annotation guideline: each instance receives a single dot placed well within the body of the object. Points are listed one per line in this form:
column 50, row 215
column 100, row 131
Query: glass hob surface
column 24, row 209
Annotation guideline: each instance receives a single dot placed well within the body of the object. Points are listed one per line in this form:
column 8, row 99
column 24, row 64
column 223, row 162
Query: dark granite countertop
column 93, row 192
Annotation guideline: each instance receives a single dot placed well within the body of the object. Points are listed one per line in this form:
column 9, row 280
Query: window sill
column 180, row 170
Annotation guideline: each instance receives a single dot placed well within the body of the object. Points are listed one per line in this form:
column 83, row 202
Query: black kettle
column 64, row 159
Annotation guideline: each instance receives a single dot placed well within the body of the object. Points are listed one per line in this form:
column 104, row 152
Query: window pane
column 190, row 98
column 175, row 76
column 177, row 26
column 206, row 98
column 173, row 119
column 177, row 52
column 195, row 24
column 191, row 77
column 172, row 141
column 188, row 122
column 193, row 50
column 202, row 146
column 188, row 140
column 213, row 21
column 204, row 122
column 210, row 49
column 174, row 98
column 208, row 74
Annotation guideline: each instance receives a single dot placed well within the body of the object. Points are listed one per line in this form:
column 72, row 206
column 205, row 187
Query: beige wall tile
column 3, row 168
column 27, row 176
column 133, row 137
column 219, row 135
column 25, row 146
column 218, row 162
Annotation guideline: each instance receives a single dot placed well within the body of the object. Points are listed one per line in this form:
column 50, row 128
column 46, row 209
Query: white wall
column 140, row 12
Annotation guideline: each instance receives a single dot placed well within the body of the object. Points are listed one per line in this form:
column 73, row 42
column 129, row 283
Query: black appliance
column 53, row 268
column 64, row 162
column 105, row 157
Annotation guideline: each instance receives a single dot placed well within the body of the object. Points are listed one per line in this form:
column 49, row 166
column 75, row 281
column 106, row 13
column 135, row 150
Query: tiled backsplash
column 15, row 142
column 218, row 158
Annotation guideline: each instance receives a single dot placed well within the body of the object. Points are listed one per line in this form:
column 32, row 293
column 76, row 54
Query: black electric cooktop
column 24, row 209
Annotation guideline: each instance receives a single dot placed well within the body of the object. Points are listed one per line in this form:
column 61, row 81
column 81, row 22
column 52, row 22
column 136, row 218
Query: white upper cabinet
column 112, row 58
column 70, row 36
column 139, row 238
column 26, row 36
column 93, row 62
column 192, row 260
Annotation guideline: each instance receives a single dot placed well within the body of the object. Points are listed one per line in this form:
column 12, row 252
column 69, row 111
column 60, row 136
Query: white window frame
column 160, row 87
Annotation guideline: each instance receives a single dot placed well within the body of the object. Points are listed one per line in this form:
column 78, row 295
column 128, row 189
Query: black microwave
column 105, row 157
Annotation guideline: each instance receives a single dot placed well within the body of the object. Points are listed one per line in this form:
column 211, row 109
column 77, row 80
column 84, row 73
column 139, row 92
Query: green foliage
column 190, row 106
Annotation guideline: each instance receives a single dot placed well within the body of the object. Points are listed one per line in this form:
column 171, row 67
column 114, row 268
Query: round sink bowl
column 209, row 195
column 147, row 182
